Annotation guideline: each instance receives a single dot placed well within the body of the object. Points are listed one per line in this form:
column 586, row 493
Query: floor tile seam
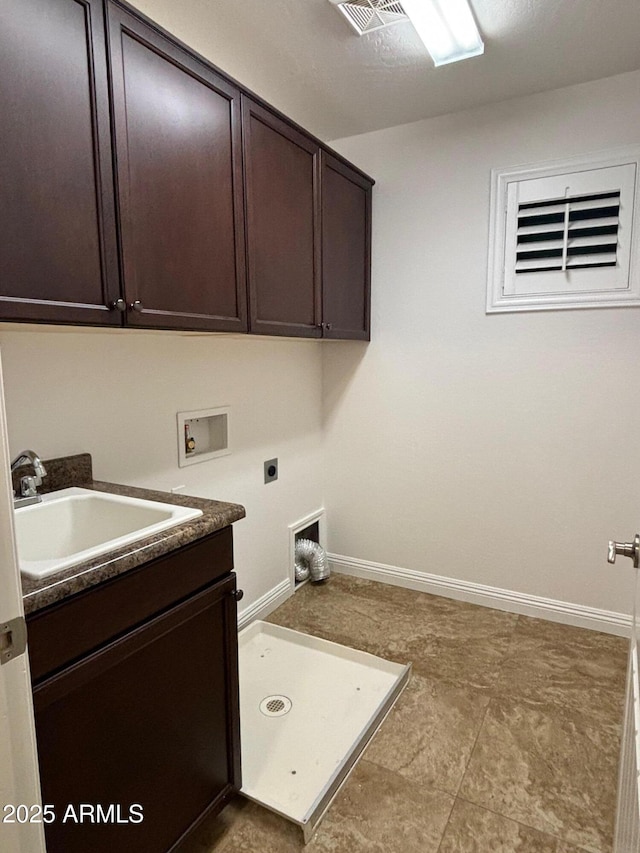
column 473, row 748
column 427, row 786
column 496, row 701
column 446, row 826
column 528, row 825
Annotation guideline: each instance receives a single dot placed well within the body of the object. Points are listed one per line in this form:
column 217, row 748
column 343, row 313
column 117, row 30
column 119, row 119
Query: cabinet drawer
column 65, row 632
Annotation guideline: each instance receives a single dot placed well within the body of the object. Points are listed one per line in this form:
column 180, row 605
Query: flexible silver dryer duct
column 311, row 561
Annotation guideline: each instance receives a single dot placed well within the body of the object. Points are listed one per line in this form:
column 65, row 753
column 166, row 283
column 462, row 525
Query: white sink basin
column 74, row 525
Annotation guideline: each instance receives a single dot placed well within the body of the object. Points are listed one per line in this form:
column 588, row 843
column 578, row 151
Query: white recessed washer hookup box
column 203, row 435
column 308, row 709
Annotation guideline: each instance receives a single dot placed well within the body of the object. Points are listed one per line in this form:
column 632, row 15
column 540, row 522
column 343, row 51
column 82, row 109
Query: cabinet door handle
column 136, row 306
column 328, row 326
column 237, row 594
column 118, row 305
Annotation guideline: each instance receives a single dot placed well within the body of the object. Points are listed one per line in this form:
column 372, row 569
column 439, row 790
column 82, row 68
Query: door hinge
column 13, row 639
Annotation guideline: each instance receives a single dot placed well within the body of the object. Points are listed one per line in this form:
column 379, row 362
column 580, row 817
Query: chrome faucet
column 29, row 484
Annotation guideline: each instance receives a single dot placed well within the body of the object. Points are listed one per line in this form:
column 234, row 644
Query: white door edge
column 19, row 778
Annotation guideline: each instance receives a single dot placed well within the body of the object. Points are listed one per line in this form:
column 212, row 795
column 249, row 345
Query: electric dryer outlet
column 270, row 470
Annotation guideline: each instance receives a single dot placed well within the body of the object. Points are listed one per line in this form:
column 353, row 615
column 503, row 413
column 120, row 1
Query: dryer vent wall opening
column 311, row 561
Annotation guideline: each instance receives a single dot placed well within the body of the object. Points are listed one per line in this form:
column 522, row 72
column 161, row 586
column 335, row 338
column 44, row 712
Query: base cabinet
column 139, row 740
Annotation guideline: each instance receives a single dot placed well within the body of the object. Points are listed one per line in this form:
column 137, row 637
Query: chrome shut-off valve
column 625, row 549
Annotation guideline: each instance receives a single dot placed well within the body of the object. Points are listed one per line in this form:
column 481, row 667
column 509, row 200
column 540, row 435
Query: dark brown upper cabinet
column 282, row 216
column 58, row 256
column 140, row 186
column 179, row 182
column 346, row 251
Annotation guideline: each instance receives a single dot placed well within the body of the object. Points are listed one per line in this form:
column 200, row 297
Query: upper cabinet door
column 281, row 196
column 346, row 251
column 179, row 175
column 58, row 257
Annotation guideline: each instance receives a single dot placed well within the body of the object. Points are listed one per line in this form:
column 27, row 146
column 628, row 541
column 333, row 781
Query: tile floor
column 506, row 739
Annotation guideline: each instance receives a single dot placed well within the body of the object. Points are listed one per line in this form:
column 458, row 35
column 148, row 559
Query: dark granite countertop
column 41, row 593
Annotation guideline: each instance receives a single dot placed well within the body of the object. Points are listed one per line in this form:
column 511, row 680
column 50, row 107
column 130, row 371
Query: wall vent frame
column 566, row 234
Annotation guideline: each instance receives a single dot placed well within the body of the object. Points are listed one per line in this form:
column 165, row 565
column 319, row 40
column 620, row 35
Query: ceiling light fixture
column 446, row 27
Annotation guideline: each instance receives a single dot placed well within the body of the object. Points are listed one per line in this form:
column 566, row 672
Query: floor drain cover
column 275, row 706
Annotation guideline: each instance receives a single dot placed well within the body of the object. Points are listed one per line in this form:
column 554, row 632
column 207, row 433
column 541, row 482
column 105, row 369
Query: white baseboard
column 554, row 610
column 266, row 604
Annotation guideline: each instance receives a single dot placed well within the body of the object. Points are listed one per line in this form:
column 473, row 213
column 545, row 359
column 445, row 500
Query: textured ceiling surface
column 304, row 58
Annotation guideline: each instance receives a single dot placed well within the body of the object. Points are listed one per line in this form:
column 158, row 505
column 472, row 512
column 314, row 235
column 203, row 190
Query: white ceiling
column 303, row 57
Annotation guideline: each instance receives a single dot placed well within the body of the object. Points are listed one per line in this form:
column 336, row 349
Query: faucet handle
column 29, row 486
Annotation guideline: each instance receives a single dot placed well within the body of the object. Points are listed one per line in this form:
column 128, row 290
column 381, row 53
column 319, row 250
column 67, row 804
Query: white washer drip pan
column 308, row 708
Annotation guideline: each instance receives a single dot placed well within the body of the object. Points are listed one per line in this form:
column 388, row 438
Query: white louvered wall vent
column 366, row 16
column 564, row 235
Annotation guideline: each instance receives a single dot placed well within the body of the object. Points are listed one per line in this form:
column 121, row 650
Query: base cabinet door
column 178, row 149
column 140, row 740
column 346, row 251
column 58, row 256
column 283, row 236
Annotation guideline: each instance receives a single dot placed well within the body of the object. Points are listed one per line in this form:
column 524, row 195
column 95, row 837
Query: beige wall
column 499, row 449
column 116, row 395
